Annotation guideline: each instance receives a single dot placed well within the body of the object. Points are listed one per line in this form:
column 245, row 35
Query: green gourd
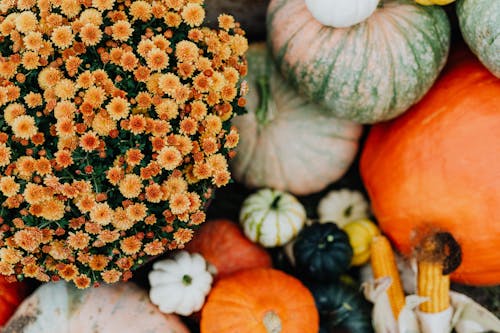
column 480, row 25
column 322, row 252
column 370, row 72
column 341, row 308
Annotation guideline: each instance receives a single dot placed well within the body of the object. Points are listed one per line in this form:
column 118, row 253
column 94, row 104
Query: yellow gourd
column 361, row 233
column 433, row 2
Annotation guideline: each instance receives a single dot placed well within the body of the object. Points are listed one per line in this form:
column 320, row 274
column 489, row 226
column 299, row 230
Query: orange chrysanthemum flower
column 5, row 154
column 121, row 221
column 133, row 157
column 89, row 141
column 53, row 209
column 82, row 281
column 62, row 37
column 78, row 240
column 137, row 212
column 137, row 124
column 131, row 186
column 193, row 14
column 8, row 186
column 101, row 213
column 169, row 158
column 24, row 127
column 183, row 235
column 28, row 239
column 68, row 272
column 186, row 51
column 98, row 262
column 157, row 59
column 33, row 100
column 141, row 10
column 111, row 276
column 90, row 34
column 130, row 245
column 122, row 30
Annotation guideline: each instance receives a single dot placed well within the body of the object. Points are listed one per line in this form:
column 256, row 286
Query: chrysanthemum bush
column 113, row 132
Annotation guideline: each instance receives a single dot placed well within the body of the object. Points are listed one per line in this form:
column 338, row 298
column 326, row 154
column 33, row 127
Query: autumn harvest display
column 267, row 166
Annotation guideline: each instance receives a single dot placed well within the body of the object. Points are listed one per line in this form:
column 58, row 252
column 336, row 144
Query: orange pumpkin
column 260, row 300
column 438, row 168
column 223, row 244
column 11, row 295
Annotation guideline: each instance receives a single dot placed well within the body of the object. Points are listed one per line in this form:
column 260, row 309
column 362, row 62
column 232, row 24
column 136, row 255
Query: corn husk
column 464, row 315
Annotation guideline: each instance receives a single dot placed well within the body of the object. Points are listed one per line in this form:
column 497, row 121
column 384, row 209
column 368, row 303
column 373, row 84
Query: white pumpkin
column 272, row 218
column 342, row 206
column 180, row 285
column 341, row 13
column 287, row 143
column 61, row 308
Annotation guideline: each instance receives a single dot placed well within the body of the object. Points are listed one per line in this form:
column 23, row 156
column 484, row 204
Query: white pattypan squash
column 180, row 285
column 341, row 13
column 271, row 217
column 343, row 206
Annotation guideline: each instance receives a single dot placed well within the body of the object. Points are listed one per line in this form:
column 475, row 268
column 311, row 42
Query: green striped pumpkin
column 367, row 73
column 480, row 25
column 272, row 218
column 282, row 133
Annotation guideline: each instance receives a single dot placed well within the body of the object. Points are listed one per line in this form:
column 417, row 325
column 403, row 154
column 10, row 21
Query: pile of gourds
column 429, row 164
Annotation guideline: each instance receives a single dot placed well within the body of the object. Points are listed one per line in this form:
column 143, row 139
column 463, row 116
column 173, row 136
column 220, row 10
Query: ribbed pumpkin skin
column 277, row 151
column 367, row 73
column 223, row 244
column 322, row 251
column 437, row 167
column 341, row 307
column 61, row 308
column 480, row 25
column 239, row 303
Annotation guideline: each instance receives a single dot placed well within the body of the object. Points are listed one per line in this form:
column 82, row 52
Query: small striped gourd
column 282, row 133
column 272, row 218
column 370, row 72
column 480, row 25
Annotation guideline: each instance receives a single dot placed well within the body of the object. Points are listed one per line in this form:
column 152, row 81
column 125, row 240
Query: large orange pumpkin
column 260, row 300
column 223, row 244
column 438, row 168
column 11, row 295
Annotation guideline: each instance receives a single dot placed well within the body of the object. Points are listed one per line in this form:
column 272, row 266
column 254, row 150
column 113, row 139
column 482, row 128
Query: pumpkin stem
column 274, row 204
column 264, row 95
column 272, row 322
column 186, row 279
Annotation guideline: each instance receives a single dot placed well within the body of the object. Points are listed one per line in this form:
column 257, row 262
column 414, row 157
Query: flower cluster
column 114, row 129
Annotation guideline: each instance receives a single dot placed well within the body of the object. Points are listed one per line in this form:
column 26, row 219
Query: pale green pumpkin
column 286, row 142
column 480, row 25
column 370, row 72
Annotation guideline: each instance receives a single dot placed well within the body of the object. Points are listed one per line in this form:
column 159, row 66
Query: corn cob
column 383, row 265
column 431, row 282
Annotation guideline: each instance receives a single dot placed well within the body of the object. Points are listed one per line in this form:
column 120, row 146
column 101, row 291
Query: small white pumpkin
column 341, row 13
column 271, row 217
column 180, row 285
column 343, row 206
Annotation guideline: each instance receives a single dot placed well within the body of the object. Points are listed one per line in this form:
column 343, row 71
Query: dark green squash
column 342, row 308
column 322, row 252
